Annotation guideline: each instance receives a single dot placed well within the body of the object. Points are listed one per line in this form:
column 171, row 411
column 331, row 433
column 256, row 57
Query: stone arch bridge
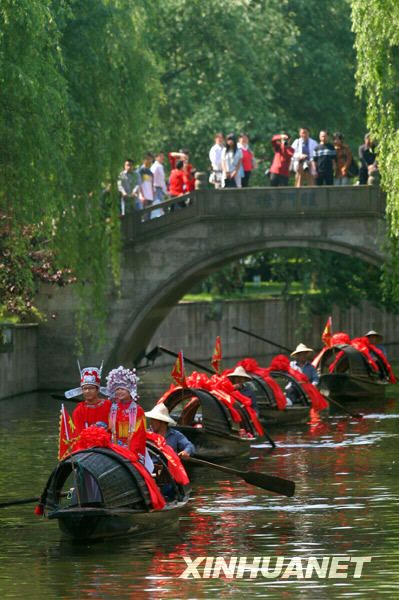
column 163, row 258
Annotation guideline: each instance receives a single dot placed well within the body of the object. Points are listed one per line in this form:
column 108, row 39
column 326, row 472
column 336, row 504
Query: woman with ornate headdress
column 94, row 410
column 126, row 417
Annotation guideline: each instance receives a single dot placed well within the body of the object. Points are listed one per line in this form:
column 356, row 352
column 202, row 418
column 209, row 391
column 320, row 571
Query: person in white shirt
column 231, row 163
column 159, row 183
column 302, row 159
column 215, row 156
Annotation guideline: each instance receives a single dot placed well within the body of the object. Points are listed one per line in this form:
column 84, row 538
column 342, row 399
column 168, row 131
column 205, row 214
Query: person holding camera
column 279, row 172
column 302, row 160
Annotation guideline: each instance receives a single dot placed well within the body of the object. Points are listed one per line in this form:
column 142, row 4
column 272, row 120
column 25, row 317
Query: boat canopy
column 193, row 406
column 98, row 477
column 351, row 361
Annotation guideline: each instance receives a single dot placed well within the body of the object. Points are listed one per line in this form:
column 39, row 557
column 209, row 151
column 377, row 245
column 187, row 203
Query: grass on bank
column 251, row 291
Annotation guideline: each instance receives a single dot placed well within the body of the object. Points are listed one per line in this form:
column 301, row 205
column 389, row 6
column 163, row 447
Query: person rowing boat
column 160, row 424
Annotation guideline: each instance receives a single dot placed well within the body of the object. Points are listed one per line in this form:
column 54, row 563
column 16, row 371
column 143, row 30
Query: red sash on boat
column 282, row 363
column 175, row 465
column 224, row 384
column 251, row 366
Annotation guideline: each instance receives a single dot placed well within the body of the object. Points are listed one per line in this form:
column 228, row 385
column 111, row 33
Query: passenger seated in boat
column 301, row 363
column 126, row 417
column 94, row 410
column 375, row 339
column 160, row 421
column 240, row 379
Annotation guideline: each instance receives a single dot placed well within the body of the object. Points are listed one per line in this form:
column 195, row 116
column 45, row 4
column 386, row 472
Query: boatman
column 240, row 378
column 94, row 410
column 300, row 362
column 375, row 339
column 160, row 421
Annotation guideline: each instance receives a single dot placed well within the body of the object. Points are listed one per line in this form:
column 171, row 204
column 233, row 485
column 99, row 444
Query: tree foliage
column 83, row 84
column 376, row 25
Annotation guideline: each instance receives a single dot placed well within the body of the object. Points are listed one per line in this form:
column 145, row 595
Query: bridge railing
column 270, row 203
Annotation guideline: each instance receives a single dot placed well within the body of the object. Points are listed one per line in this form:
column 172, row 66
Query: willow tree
column 77, row 85
column 376, row 25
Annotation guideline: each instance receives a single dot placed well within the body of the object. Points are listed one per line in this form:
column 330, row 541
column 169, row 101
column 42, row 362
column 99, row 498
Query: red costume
column 177, row 182
column 127, row 425
column 85, row 414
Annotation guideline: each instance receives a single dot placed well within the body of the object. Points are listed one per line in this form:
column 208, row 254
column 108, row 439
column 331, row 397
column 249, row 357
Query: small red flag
column 217, row 355
column 178, row 371
column 327, row 333
column 67, row 429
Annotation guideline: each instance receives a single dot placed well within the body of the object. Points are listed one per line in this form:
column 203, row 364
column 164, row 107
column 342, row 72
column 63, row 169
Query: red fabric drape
column 175, row 465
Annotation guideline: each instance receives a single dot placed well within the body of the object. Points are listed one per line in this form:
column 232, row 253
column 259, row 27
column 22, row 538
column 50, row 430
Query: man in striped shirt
column 324, row 158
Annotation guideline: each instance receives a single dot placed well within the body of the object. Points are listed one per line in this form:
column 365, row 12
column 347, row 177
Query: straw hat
column 372, row 332
column 239, row 372
column 301, row 348
column 160, row 413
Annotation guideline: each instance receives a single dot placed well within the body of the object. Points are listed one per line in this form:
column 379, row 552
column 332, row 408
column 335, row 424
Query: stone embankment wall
column 193, row 327
column 18, row 359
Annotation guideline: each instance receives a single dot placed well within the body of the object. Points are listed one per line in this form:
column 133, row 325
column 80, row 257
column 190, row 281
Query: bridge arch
column 205, row 236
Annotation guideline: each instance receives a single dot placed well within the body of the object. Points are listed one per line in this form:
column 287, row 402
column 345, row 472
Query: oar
column 20, row 501
column 267, row 482
column 259, row 337
column 25, row 501
column 195, row 364
column 187, row 360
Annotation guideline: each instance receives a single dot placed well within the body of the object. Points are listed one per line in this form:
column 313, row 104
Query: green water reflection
column 346, row 504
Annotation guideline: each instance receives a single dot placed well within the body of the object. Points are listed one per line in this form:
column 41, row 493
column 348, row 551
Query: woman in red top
column 94, row 410
column 126, row 417
column 248, row 159
column 280, row 169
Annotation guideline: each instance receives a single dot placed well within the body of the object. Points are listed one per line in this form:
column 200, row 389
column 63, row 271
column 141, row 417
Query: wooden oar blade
column 285, row 487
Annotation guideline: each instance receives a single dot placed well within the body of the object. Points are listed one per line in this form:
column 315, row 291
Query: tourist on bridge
column 248, row 159
column 302, row 162
column 160, row 424
column 127, row 182
column 231, row 163
column 159, row 183
column 215, row 156
column 343, row 160
column 188, row 169
column 279, row 172
column 146, row 183
column 324, row 158
column 368, row 160
column 300, row 362
column 177, row 184
column 126, row 417
column 94, row 410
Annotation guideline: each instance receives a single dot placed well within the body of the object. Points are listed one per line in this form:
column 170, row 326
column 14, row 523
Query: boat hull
column 87, row 523
column 342, row 386
column 294, row 415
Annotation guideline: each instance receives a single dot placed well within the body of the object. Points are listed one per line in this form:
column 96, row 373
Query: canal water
column 346, row 505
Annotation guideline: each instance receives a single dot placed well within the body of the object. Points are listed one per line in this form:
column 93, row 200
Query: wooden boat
column 352, row 377
column 208, row 424
column 269, row 413
column 107, row 497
